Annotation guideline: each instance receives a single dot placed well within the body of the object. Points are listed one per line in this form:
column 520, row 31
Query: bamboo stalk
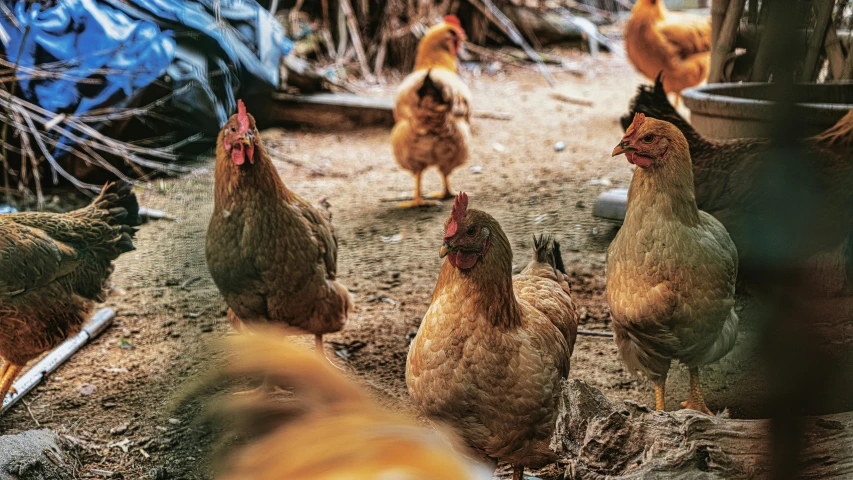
column 356, row 40
column 823, row 17
column 380, row 55
column 725, row 39
column 293, row 15
column 342, row 35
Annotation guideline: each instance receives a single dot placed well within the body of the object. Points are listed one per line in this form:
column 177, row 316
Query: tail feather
column 547, row 250
column 122, row 209
column 118, row 198
column 431, row 89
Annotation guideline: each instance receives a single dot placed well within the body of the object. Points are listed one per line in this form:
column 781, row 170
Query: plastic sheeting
column 213, row 36
column 109, row 51
column 104, row 57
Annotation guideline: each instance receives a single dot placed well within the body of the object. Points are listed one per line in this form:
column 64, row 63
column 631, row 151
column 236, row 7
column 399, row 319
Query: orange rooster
column 332, row 430
column 432, row 111
column 678, row 45
column 492, row 349
column 272, row 255
column 53, row 268
column 671, row 268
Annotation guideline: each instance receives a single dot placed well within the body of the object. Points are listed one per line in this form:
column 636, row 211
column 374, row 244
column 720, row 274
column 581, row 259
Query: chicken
column 332, row 430
column 727, row 172
column 678, row 45
column 671, row 269
column 432, row 111
column 492, row 349
column 271, row 254
column 54, row 268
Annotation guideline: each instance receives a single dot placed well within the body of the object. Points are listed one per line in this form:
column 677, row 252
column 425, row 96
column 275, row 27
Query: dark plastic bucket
column 744, row 110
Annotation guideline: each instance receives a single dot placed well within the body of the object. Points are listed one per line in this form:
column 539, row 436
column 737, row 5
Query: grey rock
column 35, row 455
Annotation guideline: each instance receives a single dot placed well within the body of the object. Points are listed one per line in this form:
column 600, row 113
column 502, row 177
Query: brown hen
column 671, row 268
column 727, row 172
column 432, row 111
column 492, row 349
column 55, row 266
column 272, row 255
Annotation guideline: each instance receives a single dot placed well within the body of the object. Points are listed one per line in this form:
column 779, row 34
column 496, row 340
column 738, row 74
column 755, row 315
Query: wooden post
column 718, row 13
column 725, row 39
column 834, row 53
column 823, row 17
column 847, row 73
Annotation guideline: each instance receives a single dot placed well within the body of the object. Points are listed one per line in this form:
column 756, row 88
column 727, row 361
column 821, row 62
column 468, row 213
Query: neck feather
column 488, row 286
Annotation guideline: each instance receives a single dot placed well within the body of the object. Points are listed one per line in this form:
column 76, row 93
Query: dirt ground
column 115, row 397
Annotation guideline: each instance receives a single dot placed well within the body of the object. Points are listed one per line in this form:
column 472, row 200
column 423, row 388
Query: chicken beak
column 623, row 147
column 445, row 249
column 248, row 139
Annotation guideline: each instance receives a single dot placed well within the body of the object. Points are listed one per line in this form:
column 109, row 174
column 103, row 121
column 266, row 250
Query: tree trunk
column 616, row 441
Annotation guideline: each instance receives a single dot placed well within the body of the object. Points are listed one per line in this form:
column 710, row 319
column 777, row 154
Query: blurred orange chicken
column 678, row 45
column 332, row 431
column 492, row 349
column 432, row 111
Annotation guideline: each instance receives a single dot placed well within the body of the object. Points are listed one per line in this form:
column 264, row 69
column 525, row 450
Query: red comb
column 242, row 118
column 460, row 206
column 453, row 20
column 639, row 118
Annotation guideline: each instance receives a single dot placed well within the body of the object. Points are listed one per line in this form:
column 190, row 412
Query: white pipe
column 97, row 324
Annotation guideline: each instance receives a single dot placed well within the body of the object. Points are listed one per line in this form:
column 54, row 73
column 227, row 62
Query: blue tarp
column 125, row 46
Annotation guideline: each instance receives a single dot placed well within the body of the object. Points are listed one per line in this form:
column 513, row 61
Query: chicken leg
column 318, row 343
column 8, row 373
column 695, row 401
column 517, row 472
column 445, row 192
column 660, row 396
column 418, row 200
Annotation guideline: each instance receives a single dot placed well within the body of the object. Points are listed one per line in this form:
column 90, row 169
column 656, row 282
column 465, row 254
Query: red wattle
column 463, row 260
column 237, row 155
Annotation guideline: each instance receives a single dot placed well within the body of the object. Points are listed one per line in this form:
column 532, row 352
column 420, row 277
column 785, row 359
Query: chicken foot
column 695, row 400
column 8, row 373
column 418, row 200
column 660, row 396
column 518, row 472
column 445, row 192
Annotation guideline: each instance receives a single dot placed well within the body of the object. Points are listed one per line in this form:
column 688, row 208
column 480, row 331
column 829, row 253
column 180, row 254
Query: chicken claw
column 695, row 400
column 8, row 373
column 318, row 343
column 517, row 472
column 660, row 398
column 445, row 193
column 417, row 199
column 418, row 203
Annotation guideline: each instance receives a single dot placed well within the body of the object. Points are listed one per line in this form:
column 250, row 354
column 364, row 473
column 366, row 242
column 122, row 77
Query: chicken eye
column 233, row 130
column 648, row 138
column 471, row 231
